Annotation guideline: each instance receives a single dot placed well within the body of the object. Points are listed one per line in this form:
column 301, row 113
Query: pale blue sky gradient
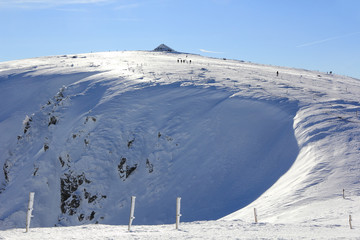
column 319, row 35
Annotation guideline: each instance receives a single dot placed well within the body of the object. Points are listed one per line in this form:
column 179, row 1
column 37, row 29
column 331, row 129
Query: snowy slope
column 235, row 229
column 221, row 134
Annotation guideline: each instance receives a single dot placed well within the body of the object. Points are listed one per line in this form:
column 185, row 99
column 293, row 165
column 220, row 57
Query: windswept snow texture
column 179, row 141
column 86, row 132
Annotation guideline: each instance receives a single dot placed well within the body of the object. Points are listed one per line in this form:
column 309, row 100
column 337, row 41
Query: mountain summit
column 163, row 48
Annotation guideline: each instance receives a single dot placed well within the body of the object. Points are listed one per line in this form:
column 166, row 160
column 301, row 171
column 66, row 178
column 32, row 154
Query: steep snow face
column 102, row 127
column 21, row 94
column 88, row 151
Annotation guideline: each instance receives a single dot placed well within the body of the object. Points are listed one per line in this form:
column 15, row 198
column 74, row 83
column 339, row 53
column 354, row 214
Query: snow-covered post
column 178, row 215
column 29, row 211
column 350, row 221
column 132, row 212
column 255, row 215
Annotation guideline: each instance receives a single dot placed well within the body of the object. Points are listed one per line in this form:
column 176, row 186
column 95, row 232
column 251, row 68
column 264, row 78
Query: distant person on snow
column 277, row 73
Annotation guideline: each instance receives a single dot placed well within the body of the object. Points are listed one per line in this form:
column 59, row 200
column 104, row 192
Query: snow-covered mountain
column 86, row 132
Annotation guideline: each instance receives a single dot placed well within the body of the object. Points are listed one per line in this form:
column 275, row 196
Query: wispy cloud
column 72, row 9
column 128, row 19
column 208, row 51
column 51, row 1
column 326, row 40
column 127, row 6
column 46, row 3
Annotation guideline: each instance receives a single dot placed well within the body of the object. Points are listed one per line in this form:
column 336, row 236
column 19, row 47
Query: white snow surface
column 226, row 136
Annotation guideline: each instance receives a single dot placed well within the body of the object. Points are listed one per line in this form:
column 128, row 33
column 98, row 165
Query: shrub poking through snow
column 26, row 123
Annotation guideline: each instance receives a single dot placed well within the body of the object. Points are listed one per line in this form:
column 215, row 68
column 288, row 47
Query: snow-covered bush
column 26, row 123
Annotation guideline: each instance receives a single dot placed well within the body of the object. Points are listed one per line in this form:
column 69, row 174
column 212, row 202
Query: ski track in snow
column 310, row 119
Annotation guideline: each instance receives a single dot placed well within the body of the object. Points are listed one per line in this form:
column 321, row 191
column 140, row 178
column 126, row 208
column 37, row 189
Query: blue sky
column 319, row 35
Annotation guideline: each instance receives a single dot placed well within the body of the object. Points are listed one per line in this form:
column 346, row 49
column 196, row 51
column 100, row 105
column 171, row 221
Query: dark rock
column 46, row 147
column 130, row 169
column 69, row 184
column 125, row 171
column 52, row 120
column 62, row 162
column 129, row 144
column 149, row 166
column 121, row 167
column 92, row 215
column 90, row 118
column 27, row 125
column 35, row 171
column 6, row 171
column 92, row 198
column 74, row 204
column 86, row 194
column 89, row 197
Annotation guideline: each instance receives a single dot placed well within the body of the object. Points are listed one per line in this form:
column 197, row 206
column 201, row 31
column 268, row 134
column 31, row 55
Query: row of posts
column 343, row 195
column 256, row 218
column 132, row 210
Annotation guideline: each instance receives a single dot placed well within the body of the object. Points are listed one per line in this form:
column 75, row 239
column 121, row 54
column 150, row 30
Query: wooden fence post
column 350, row 221
column 178, row 215
column 29, row 211
column 255, row 215
column 132, row 208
